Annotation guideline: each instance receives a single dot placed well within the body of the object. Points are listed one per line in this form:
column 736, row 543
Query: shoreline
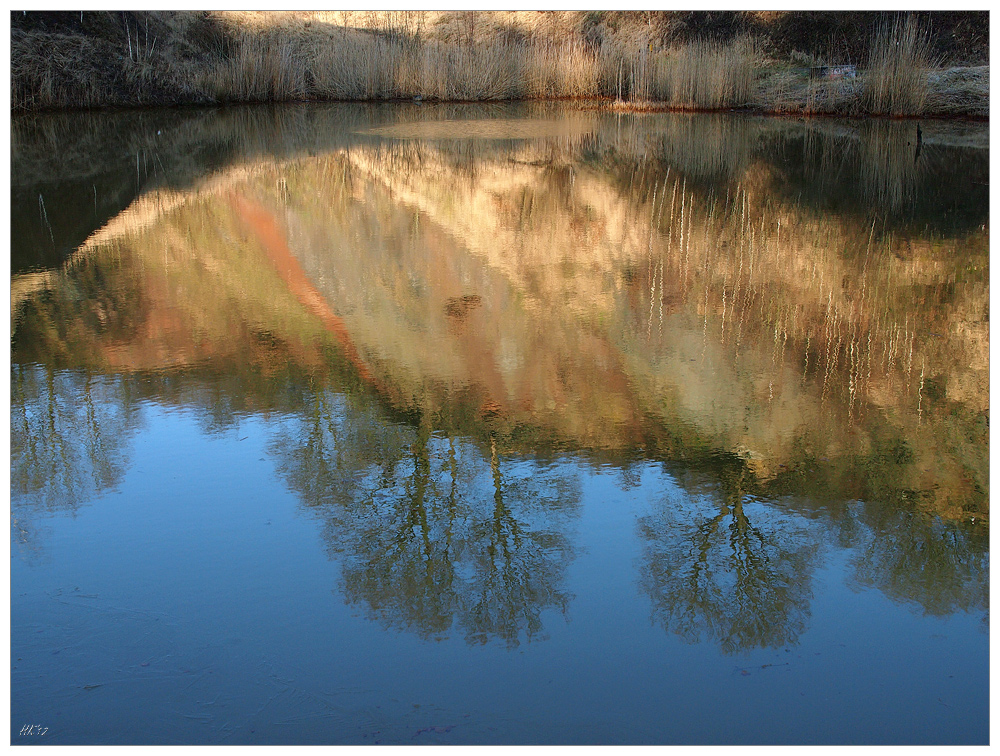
column 599, row 104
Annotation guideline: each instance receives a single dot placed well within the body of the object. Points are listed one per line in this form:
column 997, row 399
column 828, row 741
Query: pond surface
column 498, row 424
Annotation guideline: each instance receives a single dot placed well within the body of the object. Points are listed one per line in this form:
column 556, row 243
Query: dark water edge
column 98, row 163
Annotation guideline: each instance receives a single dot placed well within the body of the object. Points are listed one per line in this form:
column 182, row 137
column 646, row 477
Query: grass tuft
column 708, row 75
column 895, row 81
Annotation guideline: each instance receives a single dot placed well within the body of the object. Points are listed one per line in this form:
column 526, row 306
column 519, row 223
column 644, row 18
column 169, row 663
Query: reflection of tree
column 517, row 568
column 711, row 572
column 398, row 543
column 337, row 445
column 67, row 435
column 432, row 532
column 912, row 556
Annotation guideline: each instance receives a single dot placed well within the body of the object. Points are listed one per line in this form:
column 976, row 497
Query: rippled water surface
column 474, row 424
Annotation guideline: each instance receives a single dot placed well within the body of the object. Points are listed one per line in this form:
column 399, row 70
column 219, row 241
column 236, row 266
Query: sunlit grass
column 253, row 57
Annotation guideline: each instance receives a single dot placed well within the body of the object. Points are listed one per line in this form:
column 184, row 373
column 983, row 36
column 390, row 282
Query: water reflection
column 69, row 435
column 934, row 564
column 433, row 533
column 430, row 314
column 719, row 565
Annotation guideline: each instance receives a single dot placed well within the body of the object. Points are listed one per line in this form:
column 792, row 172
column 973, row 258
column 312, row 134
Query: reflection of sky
column 199, row 593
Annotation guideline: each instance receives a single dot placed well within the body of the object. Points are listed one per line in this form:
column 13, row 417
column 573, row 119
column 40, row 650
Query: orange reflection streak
column 265, row 226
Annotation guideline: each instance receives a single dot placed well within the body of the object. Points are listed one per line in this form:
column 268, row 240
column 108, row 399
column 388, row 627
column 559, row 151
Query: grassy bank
column 917, row 64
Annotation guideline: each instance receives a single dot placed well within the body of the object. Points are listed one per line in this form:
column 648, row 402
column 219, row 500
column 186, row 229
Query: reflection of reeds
column 889, row 163
column 705, row 145
column 790, row 308
column 752, row 268
column 811, row 321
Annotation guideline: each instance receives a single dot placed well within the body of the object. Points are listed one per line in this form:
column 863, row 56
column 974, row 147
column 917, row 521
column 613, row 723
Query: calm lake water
column 498, row 424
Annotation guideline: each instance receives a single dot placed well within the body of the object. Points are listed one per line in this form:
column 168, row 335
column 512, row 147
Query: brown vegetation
column 896, row 79
column 661, row 59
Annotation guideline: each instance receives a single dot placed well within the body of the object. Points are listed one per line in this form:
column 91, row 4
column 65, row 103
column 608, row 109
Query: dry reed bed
column 248, row 59
column 900, row 79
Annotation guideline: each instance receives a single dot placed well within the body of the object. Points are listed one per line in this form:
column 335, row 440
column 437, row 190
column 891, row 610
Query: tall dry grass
column 381, row 66
column 490, row 71
column 895, row 81
column 708, row 75
column 60, row 71
column 343, row 55
column 703, row 75
column 567, row 69
column 260, row 67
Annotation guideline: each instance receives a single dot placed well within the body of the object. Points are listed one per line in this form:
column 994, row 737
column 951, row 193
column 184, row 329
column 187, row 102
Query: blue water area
column 199, row 602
